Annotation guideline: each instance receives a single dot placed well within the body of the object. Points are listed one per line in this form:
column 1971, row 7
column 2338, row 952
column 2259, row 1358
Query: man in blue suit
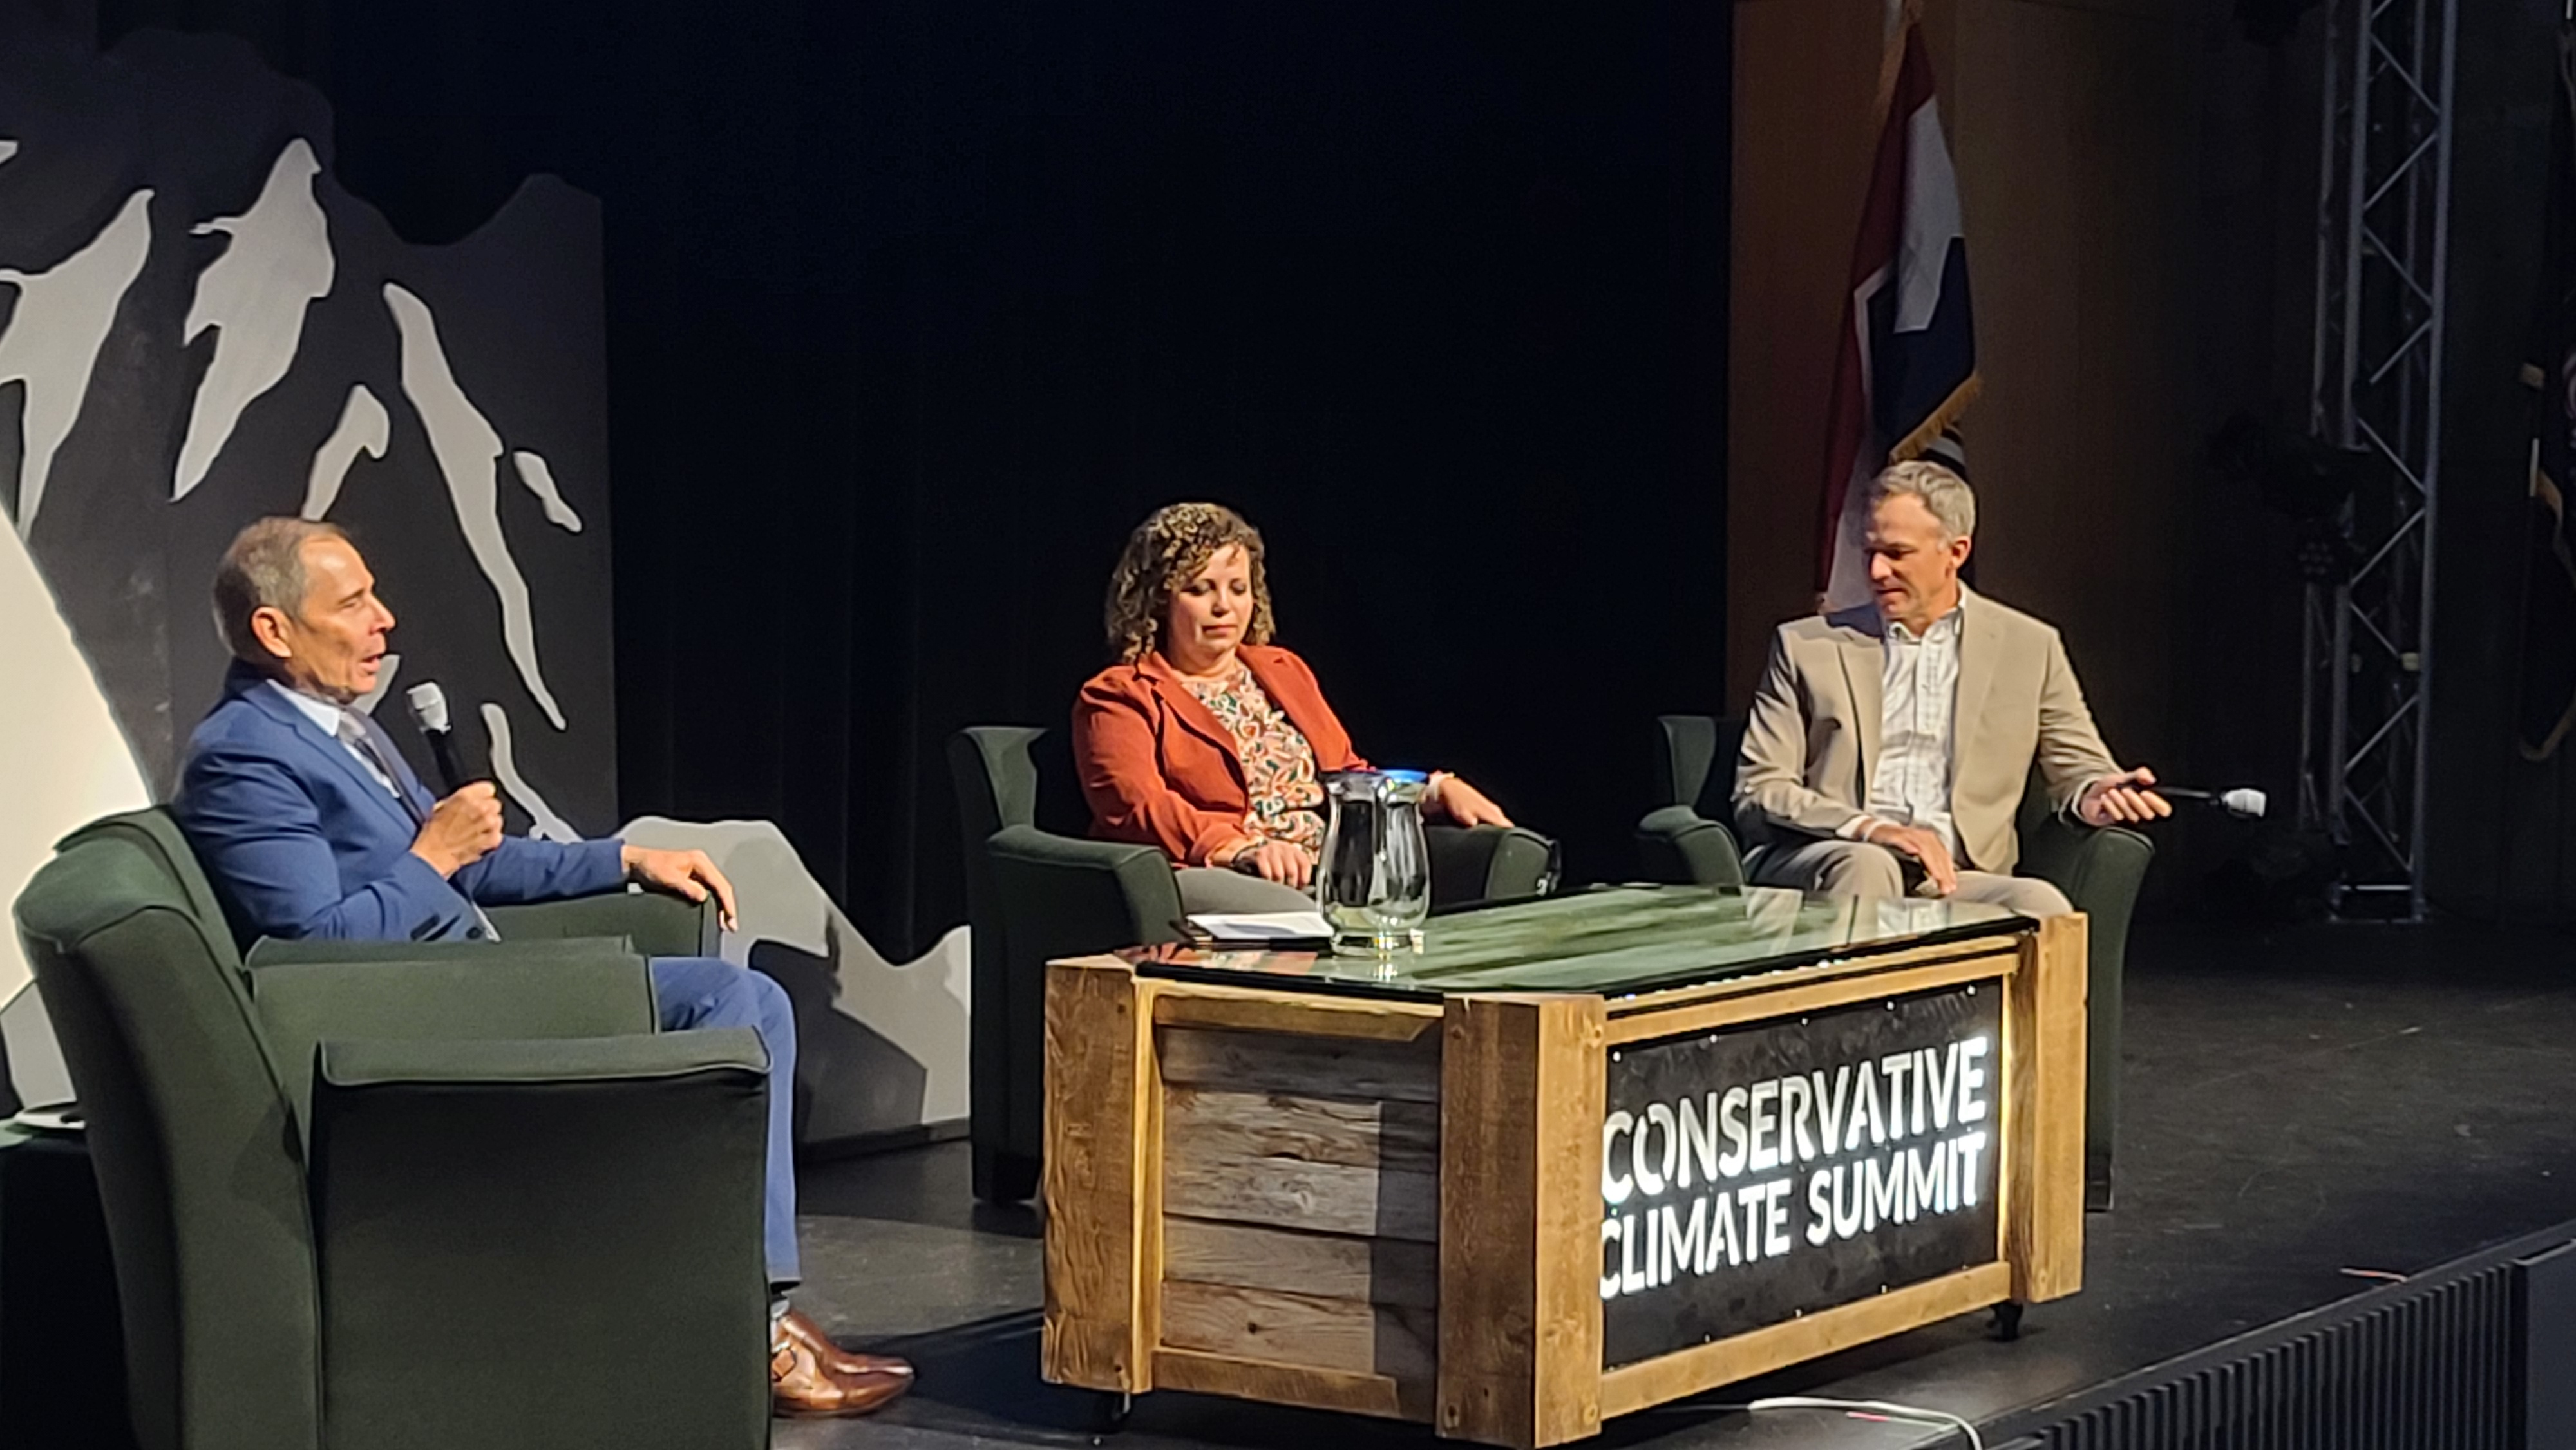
column 311, row 825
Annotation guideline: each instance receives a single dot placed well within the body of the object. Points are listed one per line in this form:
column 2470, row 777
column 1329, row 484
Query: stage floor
column 2298, row 1104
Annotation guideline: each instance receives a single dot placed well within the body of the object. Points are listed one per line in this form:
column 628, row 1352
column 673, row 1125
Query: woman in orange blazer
column 1207, row 740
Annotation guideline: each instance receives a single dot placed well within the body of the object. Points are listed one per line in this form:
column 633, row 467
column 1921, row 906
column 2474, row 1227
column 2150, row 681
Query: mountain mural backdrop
column 199, row 327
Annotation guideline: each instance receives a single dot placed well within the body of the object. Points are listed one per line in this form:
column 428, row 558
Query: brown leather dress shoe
column 801, row 1385
column 796, row 1326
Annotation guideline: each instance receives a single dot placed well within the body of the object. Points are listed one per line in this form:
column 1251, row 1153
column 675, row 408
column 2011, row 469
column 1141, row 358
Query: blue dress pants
column 712, row 992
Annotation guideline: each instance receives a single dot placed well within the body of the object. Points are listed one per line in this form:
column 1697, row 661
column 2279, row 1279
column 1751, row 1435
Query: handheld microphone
column 429, row 712
column 2243, row 803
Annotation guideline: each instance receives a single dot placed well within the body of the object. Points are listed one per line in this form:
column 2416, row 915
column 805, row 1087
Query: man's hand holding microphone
column 465, row 827
column 2126, row 798
column 462, row 829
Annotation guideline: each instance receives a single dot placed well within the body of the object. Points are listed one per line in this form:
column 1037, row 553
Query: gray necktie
column 355, row 734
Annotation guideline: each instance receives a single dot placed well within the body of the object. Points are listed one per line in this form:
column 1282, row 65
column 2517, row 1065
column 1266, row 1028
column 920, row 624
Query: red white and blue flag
column 1908, row 363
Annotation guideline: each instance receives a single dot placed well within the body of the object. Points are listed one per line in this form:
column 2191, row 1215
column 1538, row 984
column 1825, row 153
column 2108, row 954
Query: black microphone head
column 428, row 706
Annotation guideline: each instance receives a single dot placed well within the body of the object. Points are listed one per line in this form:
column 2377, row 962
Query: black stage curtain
column 916, row 307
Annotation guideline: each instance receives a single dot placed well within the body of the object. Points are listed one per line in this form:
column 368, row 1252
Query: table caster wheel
column 2008, row 1321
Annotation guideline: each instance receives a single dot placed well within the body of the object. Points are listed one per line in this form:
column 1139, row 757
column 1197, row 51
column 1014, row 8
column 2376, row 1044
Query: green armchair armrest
column 591, row 1205
column 1678, row 845
column 2100, row 868
column 1688, row 838
column 271, row 951
column 659, row 924
column 555, row 990
column 1062, row 896
column 1476, row 864
column 651, row 923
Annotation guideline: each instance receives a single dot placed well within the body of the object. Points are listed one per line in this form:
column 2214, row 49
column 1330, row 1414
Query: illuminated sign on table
column 1755, row 1174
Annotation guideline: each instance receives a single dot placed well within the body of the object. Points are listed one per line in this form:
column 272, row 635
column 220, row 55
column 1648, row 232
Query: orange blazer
column 1160, row 769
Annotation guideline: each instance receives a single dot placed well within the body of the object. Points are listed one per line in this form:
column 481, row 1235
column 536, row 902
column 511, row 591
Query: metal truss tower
column 2383, row 252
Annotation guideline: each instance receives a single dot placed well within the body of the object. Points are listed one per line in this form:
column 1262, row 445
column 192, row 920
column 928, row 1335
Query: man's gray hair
column 263, row 568
column 1943, row 492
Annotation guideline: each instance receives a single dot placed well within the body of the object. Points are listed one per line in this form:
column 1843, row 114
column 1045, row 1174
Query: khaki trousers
column 1857, row 868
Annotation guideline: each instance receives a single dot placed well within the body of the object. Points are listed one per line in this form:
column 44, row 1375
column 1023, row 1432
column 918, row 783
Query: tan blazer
column 1811, row 742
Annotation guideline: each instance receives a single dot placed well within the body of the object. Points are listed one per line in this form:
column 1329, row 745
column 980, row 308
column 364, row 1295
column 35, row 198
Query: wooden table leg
column 1102, row 1179
column 1520, row 1219
column 2044, row 1192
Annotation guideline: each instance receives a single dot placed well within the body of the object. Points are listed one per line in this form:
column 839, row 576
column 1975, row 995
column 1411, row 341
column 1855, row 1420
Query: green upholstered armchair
column 432, row 1198
column 1689, row 837
column 1034, row 896
column 2100, row 868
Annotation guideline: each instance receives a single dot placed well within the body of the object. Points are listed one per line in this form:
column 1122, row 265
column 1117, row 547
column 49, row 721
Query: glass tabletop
column 1614, row 942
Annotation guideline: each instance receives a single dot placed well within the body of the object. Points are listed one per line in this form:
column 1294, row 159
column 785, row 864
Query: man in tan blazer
column 1889, row 743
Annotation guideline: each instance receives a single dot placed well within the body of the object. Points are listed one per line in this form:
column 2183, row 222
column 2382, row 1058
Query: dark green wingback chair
column 1031, row 897
column 1689, row 837
column 436, row 1197
column 1034, row 896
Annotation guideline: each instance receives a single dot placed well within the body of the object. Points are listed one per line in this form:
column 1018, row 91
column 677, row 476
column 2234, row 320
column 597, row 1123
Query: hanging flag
column 2546, row 709
column 1908, row 364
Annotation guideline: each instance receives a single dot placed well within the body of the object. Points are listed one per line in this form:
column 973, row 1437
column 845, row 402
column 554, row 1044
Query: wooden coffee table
column 1574, row 1158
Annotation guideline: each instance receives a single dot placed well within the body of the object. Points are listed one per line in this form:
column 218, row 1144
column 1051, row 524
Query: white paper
column 1256, row 926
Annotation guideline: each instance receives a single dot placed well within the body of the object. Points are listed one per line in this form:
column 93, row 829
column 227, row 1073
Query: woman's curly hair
column 1166, row 552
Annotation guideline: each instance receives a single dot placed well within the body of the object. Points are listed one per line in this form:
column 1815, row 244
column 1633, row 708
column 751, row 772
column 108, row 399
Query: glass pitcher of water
column 1373, row 882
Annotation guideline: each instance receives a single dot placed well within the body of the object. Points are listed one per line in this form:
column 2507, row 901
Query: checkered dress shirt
column 1918, row 708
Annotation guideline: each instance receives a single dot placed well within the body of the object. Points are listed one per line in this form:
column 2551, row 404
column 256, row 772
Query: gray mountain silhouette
column 198, row 327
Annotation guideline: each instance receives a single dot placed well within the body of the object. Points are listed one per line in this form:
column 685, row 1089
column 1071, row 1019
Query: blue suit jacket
column 301, row 841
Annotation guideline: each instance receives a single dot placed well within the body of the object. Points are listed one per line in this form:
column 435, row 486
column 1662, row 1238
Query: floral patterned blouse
column 1278, row 764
